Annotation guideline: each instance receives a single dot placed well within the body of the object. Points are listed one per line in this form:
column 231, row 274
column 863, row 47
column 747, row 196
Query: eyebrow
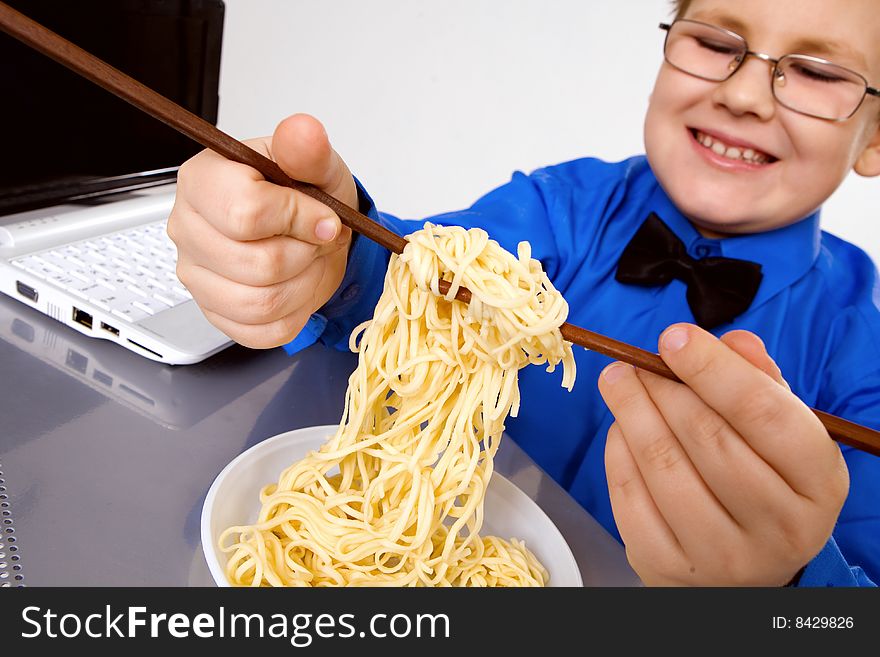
column 831, row 50
column 805, row 46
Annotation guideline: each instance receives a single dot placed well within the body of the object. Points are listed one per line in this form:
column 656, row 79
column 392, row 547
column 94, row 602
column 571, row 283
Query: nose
column 748, row 91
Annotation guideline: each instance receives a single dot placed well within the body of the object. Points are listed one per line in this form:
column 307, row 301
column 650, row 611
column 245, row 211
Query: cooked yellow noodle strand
column 395, row 497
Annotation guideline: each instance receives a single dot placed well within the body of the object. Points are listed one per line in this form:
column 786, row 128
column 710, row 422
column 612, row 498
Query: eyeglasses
column 807, row 85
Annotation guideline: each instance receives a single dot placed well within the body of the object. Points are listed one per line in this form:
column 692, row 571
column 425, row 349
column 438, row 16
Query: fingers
column 751, row 347
column 641, row 525
column 736, row 515
column 301, row 147
column 247, row 304
column 241, row 205
column 259, row 258
column 775, row 423
column 748, row 488
column 257, row 263
column 261, row 336
column 681, row 496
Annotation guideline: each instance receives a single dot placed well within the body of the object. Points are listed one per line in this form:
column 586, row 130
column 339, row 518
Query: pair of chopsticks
column 90, row 67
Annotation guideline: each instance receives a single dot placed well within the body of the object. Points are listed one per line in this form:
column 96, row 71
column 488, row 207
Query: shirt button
column 350, row 292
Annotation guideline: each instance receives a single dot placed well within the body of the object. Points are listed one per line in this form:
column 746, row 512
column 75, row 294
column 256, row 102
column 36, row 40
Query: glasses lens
column 818, row 88
column 703, row 50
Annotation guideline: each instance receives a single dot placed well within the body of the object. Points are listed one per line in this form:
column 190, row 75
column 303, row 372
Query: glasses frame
column 868, row 90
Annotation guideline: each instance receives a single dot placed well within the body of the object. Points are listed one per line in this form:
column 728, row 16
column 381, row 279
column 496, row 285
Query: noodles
column 395, row 497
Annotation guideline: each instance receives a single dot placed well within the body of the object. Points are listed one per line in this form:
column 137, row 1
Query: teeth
column 731, row 152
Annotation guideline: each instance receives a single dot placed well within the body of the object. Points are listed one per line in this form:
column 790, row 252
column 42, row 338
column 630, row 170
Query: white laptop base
column 108, row 271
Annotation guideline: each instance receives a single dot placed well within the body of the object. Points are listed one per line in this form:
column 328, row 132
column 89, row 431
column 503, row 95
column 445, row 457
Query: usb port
column 109, row 329
column 82, row 317
column 26, row 291
column 106, row 379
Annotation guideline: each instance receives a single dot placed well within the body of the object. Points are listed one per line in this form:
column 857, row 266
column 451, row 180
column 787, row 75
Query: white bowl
column 233, row 499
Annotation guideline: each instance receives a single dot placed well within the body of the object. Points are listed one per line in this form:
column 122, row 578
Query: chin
column 718, row 215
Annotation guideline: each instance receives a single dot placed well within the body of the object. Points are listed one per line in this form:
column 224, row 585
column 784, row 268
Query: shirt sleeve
column 358, row 292
column 829, row 568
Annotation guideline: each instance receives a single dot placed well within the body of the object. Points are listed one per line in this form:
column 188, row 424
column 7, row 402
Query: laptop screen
column 68, row 139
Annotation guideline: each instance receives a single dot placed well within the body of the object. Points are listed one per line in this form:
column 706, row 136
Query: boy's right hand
column 258, row 258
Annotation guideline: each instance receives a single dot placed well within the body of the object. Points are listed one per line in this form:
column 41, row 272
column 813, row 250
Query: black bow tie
column 718, row 289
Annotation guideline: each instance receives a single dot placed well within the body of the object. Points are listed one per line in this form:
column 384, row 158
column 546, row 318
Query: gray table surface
column 106, row 457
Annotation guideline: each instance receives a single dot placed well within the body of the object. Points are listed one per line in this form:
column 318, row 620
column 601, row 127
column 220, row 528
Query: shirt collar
column 785, row 254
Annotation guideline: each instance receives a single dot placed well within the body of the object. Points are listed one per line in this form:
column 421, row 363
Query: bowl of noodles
column 234, row 501
column 403, row 491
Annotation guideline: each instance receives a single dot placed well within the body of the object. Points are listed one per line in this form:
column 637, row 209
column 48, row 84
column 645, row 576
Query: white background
column 433, row 103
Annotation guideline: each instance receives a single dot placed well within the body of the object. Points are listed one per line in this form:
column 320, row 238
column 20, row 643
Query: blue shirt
column 816, row 310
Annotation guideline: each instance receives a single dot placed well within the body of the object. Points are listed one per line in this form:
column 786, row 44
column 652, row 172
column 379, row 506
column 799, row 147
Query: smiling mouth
column 729, row 152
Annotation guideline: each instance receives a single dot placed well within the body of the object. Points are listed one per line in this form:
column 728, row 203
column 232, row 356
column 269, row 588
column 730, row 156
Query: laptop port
column 23, row 330
column 110, row 329
column 77, row 361
column 82, row 317
column 147, row 349
column 26, row 291
column 101, row 377
column 134, row 393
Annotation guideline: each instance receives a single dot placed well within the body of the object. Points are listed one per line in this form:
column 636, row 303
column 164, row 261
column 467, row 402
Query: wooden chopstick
column 87, row 65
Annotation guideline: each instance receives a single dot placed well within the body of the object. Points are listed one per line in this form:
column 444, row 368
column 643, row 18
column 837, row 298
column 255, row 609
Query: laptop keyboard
column 130, row 273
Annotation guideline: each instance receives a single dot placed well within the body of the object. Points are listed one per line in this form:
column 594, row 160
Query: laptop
column 87, row 181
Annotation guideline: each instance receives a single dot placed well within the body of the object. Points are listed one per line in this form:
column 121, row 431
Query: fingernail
column 326, row 230
column 675, row 338
column 613, row 372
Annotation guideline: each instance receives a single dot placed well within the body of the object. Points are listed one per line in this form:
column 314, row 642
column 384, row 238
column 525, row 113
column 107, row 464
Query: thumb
column 751, row 347
column 302, row 149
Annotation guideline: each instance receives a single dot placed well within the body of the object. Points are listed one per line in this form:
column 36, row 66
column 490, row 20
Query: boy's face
column 805, row 158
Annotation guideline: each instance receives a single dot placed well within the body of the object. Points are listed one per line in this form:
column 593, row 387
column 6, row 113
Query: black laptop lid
column 67, row 139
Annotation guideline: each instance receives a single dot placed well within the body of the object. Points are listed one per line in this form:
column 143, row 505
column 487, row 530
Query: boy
column 726, row 480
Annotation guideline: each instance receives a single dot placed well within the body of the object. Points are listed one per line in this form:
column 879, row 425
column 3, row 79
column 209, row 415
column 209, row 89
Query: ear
column 868, row 163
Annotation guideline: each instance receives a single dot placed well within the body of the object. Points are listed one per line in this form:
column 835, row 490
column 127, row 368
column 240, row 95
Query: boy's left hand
column 727, row 480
